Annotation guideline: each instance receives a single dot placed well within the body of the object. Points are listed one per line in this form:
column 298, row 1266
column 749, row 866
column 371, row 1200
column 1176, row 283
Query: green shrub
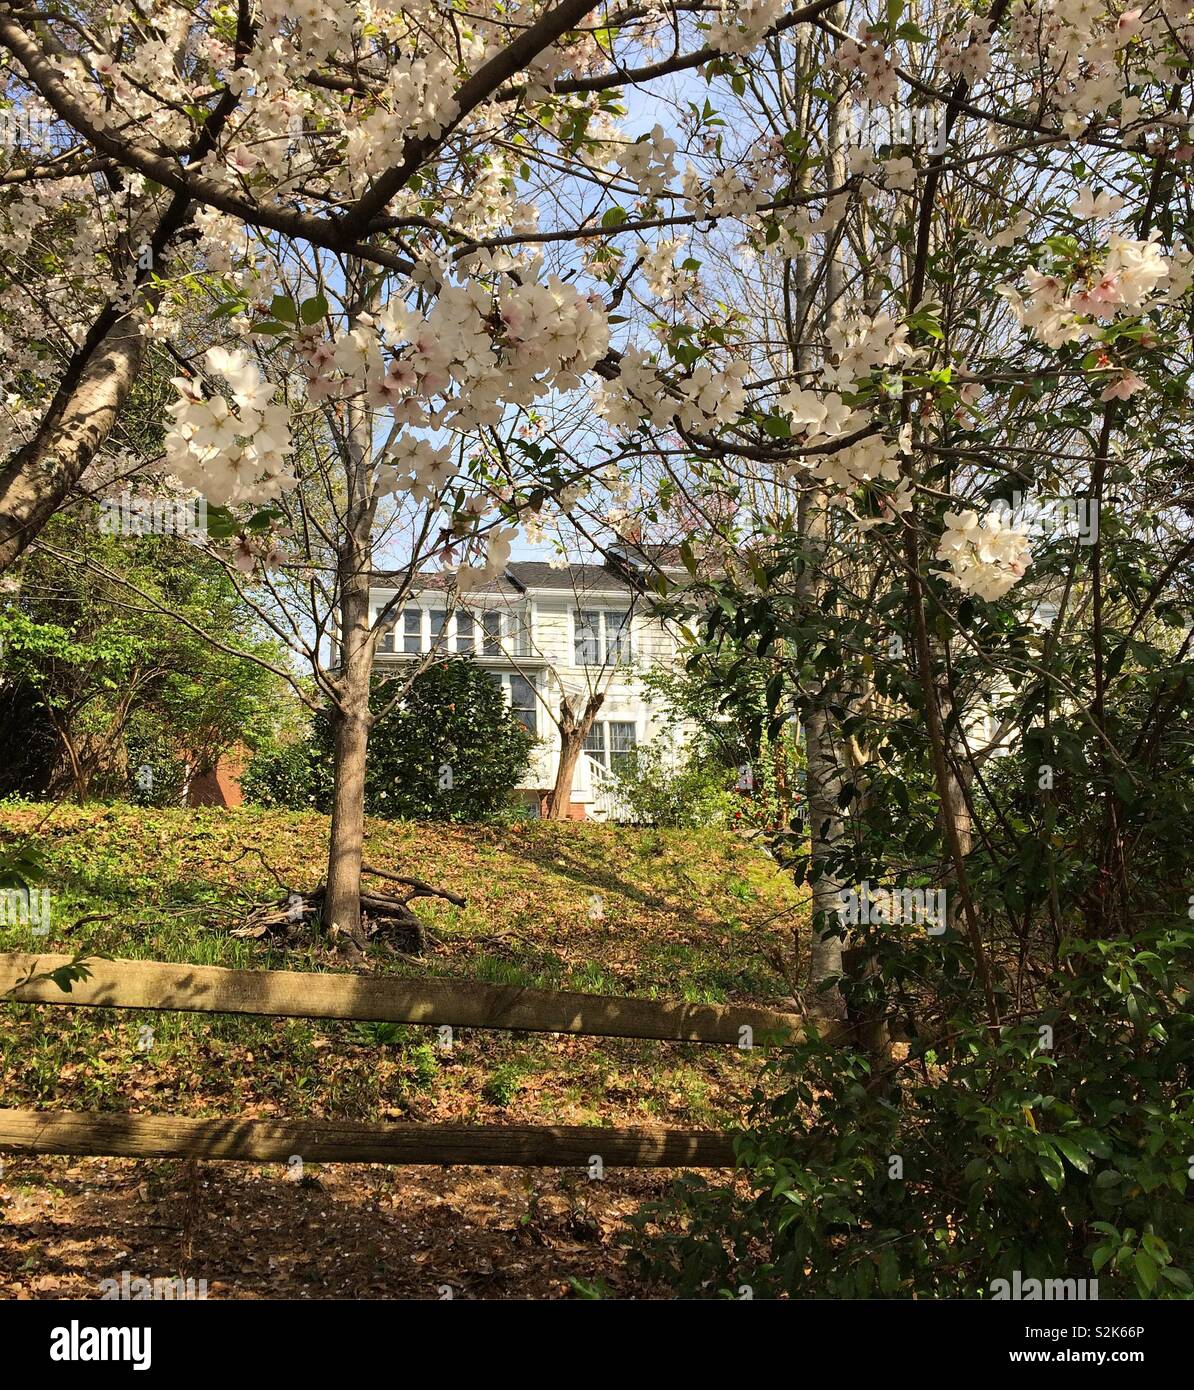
column 503, row 1084
column 451, row 750
column 296, row 775
column 1059, row 1148
column 423, row 1065
column 686, row 795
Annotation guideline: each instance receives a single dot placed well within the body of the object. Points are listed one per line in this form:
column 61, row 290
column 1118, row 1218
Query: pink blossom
column 1124, row 385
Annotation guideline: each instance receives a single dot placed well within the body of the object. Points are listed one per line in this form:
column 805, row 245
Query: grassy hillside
column 687, row 914
column 666, row 913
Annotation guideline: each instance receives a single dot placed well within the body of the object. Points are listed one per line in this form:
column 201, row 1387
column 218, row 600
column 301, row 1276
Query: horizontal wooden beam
column 147, row 984
column 279, row 1141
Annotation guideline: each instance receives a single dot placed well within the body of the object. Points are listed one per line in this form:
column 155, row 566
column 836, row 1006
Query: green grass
column 685, row 914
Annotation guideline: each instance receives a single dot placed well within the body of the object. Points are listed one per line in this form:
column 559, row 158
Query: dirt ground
column 343, row 1232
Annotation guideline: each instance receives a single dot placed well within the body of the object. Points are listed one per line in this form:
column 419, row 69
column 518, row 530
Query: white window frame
column 622, row 634
column 605, row 754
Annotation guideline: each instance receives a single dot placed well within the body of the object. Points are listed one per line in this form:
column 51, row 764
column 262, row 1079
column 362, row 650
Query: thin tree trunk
column 823, row 768
column 352, row 718
column 342, row 901
column 574, row 730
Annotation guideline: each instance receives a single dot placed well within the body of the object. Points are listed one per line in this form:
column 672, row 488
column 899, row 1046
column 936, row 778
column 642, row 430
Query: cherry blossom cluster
column 708, row 397
column 416, row 466
column 1086, row 56
column 966, row 55
column 649, row 161
column 822, row 420
column 742, row 24
column 984, row 557
column 863, row 343
column 416, row 102
column 478, row 349
column 868, row 58
column 1070, row 304
column 666, row 280
column 230, row 451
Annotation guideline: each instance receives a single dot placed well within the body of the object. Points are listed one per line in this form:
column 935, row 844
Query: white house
column 543, row 633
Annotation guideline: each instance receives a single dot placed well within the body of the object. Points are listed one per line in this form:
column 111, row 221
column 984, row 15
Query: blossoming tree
column 672, row 203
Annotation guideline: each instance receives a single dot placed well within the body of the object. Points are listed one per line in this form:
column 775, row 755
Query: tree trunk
column 342, row 901
column 823, row 776
column 574, row 730
column 351, row 715
column 825, row 832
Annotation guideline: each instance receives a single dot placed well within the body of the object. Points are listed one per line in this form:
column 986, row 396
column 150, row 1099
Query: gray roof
column 538, row 574
column 521, row 575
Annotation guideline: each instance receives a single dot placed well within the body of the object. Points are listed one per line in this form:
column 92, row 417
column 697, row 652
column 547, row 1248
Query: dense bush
column 451, row 750
column 687, row 793
column 1059, row 1148
column 296, row 774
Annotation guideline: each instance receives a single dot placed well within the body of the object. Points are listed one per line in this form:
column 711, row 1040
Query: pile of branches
column 384, row 915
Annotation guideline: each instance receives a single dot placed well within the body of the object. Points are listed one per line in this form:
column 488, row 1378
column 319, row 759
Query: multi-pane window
column 617, row 636
column 523, row 703
column 611, row 743
column 594, row 744
column 621, row 743
column 602, row 636
column 412, row 631
column 588, row 638
column 424, row 630
column 521, row 695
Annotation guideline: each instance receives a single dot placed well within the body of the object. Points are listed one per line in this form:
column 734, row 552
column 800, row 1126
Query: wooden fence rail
column 276, row 1141
column 158, row 985
column 147, row 984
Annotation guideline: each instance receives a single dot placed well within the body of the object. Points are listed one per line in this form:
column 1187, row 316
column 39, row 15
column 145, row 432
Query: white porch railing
column 606, row 802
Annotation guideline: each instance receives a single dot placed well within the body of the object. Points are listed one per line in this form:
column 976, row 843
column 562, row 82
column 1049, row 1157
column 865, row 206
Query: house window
column 611, row 743
column 602, row 636
column 617, row 636
column 523, row 703
column 521, row 695
column 385, row 638
column 491, row 624
column 588, row 638
column 594, row 744
column 621, row 744
column 438, row 619
column 412, row 631
column 466, row 633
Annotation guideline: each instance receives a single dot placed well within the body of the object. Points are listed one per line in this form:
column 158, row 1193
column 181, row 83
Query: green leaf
column 313, row 309
column 1078, row 1157
column 1146, row 1270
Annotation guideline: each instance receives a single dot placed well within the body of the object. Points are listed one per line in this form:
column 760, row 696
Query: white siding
column 547, row 618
